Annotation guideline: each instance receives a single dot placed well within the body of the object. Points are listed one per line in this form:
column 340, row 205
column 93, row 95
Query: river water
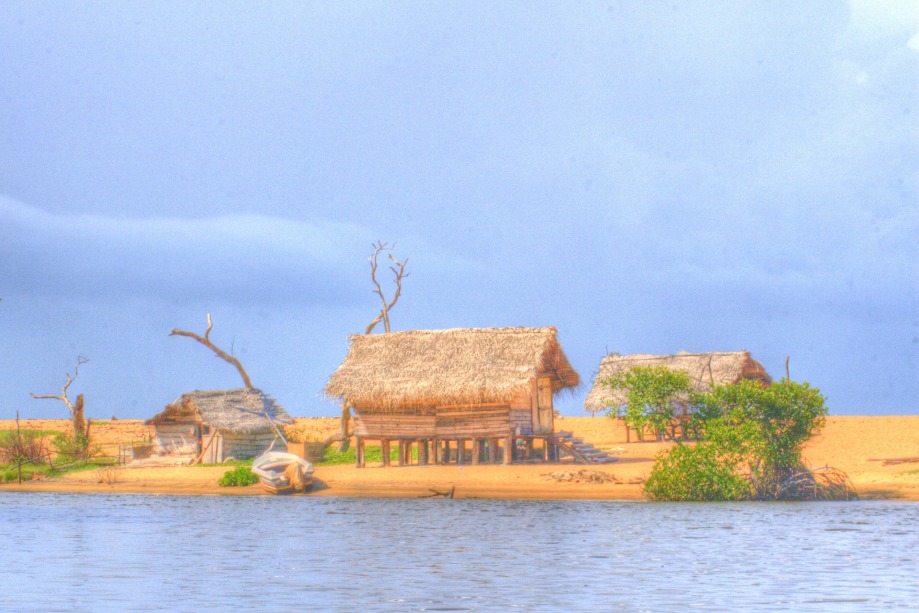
column 62, row 552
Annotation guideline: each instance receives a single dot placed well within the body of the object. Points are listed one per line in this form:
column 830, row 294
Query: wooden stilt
column 400, row 457
column 476, row 450
column 493, row 450
column 359, row 453
column 529, row 449
column 423, row 452
column 460, row 451
column 384, row 451
column 508, row 450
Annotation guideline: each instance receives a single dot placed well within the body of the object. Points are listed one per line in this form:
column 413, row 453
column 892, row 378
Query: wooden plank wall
column 248, row 445
column 175, row 439
column 447, row 422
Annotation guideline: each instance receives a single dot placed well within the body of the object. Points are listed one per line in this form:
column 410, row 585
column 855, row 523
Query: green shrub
column 238, row 477
column 651, row 392
column 752, row 439
column 74, row 447
column 695, row 473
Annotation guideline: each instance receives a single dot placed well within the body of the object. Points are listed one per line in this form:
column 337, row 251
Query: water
column 167, row 553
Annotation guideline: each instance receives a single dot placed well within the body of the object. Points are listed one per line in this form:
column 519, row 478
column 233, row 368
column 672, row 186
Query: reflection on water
column 64, row 552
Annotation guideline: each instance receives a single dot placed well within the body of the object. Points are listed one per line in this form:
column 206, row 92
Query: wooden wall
column 175, row 439
column 249, row 445
column 445, row 422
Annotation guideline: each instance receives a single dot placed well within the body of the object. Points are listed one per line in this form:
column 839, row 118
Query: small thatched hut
column 704, row 370
column 437, row 387
column 212, row 426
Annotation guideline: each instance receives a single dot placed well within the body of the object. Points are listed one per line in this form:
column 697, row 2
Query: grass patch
column 372, row 453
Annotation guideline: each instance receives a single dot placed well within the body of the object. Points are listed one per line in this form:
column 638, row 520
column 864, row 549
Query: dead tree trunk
column 80, row 427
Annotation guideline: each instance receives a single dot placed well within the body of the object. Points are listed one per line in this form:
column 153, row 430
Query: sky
column 645, row 177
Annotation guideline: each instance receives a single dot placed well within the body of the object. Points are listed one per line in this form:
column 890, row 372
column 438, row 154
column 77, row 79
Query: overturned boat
column 283, row 473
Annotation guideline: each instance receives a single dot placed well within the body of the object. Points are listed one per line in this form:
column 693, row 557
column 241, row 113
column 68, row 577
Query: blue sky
column 646, row 177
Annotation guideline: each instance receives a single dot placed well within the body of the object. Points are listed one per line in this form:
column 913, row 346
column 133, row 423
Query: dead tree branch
column 206, row 341
column 76, row 411
column 398, row 270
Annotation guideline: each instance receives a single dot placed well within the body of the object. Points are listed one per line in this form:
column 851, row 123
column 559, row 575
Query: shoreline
column 853, row 444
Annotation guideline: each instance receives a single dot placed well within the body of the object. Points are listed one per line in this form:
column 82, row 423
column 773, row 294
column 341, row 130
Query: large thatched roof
column 460, row 365
column 238, row 410
column 704, row 369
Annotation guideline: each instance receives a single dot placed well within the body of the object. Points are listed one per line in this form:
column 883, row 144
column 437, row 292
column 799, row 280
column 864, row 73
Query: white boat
column 283, row 473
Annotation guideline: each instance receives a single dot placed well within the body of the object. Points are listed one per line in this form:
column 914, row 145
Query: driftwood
column 435, row 493
column 893, row 461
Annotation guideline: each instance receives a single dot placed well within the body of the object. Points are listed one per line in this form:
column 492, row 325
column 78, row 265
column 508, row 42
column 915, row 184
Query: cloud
column 241, row 257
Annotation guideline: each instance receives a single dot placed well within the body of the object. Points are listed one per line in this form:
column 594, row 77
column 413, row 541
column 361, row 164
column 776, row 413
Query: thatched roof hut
column 704, row 370
column 445, row 367
column 227, row 423
column 449, row 387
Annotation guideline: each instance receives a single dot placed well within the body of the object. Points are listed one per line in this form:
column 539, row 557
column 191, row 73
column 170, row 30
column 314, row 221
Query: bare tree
column 398, row 270
column 206, row 341
column 80, row 426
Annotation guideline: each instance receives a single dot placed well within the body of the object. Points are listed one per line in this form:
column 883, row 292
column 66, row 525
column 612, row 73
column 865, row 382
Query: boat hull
column 283, row 473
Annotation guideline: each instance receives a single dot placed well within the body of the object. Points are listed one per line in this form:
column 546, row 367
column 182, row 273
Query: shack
column 438, row 390
column 216, row 425
column 704, row 369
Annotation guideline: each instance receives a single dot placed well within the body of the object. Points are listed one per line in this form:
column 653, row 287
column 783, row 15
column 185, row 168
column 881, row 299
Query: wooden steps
column 582, row 452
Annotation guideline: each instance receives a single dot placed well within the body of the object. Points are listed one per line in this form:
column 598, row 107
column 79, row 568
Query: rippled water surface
column 161, row 553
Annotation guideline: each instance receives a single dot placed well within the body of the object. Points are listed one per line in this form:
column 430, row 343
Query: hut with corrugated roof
column 705, row 370
column 441, row 389
column 213, row 426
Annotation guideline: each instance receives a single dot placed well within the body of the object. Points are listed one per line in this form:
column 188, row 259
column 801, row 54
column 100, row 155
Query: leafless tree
column 80, row 426
column 398, row 270
column 206, row 341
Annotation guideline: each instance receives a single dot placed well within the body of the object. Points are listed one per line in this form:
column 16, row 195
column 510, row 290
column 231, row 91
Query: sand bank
column 852, row 444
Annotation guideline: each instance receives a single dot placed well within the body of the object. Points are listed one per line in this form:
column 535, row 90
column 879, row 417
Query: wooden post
column 529, row 449
column 360, row 452
column 384, row 451
column 422, row 452
column 460, row 451
column 435, row 451
column 493, row 450
column 446, row 457
column 476, row 450
column 508, row 449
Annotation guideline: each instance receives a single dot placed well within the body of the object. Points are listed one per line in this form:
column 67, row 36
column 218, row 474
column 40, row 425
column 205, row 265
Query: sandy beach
column 853, row 444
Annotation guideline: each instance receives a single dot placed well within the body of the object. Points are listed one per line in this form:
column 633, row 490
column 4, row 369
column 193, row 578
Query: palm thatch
column 455, row 366
column 704, row 369
column 242, row 411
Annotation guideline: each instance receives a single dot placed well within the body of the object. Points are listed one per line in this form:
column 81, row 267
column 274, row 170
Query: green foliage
column 72, row 447
column 749, row 431
column 10, row 473
column 21, row 446
column 240, row 476
column 695, row 473
column 651, row 392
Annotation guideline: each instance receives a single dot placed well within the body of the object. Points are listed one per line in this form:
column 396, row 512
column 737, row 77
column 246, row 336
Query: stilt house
column 704, row 369
column 213, row 426
column 441, row 389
